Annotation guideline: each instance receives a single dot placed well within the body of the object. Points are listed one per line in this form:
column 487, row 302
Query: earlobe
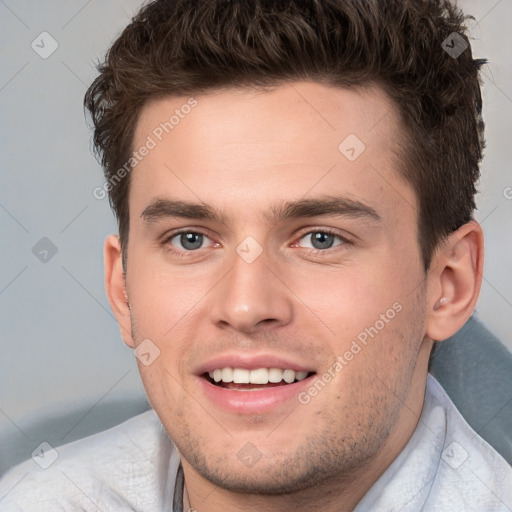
column 455, row 281
column 115, row 287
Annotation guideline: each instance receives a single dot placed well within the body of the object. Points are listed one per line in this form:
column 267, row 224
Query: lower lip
column 254, row 401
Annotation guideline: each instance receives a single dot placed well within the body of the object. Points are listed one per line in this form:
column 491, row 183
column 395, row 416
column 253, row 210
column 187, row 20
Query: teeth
column 289, row 376
column 241, row 376
column 275, row 375
column 301, row 375
column 259, row 376
column 227, row 375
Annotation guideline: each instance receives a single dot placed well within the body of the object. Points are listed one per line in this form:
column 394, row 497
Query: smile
column 243, row 379
column 250, row 385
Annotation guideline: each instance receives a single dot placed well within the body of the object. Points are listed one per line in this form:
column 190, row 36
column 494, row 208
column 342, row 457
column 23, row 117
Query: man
column 294, row 183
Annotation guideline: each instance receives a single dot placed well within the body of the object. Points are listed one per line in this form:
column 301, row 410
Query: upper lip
column 251, row 362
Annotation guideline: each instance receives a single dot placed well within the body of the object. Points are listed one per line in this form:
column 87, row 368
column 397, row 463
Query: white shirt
column 445, row 467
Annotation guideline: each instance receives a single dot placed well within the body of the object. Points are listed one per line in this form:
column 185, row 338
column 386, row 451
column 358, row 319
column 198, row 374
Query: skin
column 243, row 152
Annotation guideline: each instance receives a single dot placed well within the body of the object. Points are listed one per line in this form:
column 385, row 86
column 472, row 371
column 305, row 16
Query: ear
column 115, row 285
column 454, row 280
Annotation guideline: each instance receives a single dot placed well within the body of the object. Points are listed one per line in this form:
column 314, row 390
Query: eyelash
column 326, row 231
column 184, row 253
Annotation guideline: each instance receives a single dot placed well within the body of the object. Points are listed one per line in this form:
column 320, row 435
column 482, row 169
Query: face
column 273, row 262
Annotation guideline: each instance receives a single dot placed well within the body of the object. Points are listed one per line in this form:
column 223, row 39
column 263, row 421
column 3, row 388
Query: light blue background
column 61, row 351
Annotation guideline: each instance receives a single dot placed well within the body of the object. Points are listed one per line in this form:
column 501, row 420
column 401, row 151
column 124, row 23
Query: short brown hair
column 187, row 47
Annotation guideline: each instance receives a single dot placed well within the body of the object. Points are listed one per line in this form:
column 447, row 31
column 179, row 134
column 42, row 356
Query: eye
column 320, row 240
column 187, row 240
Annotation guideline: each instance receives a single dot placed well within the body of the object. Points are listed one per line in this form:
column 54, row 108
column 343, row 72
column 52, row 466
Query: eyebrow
column 161, row 208
column 338, row 206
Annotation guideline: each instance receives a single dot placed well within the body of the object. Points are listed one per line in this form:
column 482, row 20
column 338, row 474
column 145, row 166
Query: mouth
column 242, row 379
column 252, row 386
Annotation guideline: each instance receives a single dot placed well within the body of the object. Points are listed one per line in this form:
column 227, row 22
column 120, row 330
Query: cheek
column 161, row 383
column 161, row 299
column 369, row 313
column 350, row 298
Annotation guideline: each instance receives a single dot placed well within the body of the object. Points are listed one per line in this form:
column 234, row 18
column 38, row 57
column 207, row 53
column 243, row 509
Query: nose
column 252, row 297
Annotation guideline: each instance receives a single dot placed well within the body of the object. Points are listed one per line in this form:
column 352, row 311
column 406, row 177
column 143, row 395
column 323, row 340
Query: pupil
column 321, row 240
column 191, row 240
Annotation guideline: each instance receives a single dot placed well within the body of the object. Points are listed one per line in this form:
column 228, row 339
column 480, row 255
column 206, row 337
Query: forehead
column 237, row 146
